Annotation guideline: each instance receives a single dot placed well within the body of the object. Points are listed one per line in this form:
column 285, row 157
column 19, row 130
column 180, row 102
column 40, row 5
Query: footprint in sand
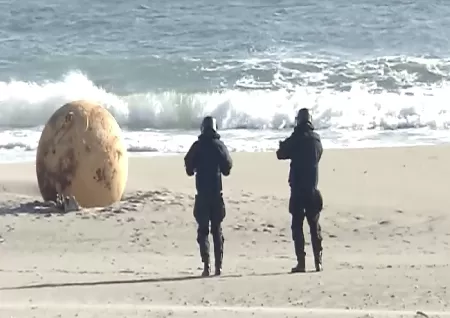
column 238, row 227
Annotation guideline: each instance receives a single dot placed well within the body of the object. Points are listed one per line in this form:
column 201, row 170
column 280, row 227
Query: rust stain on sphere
column 81, row 153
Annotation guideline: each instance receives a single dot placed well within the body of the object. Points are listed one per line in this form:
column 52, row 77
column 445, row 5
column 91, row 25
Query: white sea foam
column 250, row 119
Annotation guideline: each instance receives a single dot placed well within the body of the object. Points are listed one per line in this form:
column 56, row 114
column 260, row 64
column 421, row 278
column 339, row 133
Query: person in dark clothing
column 304, row 149
column 208, row 158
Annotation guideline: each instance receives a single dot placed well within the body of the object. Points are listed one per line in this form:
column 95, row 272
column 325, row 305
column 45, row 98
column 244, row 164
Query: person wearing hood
column 208, row 158
column 304, row 149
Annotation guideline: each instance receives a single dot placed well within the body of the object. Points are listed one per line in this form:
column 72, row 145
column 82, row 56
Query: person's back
column 304, row 149
column 305, row 153
column 210, row 162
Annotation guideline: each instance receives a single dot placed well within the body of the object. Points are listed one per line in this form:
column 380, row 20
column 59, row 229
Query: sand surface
column 386, row 229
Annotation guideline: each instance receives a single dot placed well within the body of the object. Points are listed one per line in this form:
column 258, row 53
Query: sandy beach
column 386, row 227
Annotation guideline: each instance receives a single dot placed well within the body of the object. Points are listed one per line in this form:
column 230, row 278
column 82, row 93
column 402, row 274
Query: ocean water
column 373, row 73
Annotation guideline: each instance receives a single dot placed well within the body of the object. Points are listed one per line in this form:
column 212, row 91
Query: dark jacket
column 208, row 158
column 304, row 149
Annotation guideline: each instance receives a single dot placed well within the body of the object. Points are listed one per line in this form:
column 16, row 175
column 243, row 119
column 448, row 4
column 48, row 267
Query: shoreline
column 151, row 154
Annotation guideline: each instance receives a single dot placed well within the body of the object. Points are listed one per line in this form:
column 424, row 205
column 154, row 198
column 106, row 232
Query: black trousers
column 210, row 210
column 306, row 204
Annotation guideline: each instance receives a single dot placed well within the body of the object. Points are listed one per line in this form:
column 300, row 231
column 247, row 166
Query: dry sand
column 386, row 242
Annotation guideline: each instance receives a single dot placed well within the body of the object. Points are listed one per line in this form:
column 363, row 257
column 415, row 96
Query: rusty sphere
column 81, row 153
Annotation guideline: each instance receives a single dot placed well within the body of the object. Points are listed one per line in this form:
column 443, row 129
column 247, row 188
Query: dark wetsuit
column 304, row 149
column 209, row 158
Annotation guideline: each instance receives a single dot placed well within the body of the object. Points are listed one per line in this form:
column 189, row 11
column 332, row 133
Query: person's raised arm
column 285, row 149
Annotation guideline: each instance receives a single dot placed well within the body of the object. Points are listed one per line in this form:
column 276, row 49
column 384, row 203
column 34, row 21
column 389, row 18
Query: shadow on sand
column 143, row 280
column 68, row 204
column 32, row 207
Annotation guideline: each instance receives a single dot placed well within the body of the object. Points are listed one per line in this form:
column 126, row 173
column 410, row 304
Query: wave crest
column 360, row 106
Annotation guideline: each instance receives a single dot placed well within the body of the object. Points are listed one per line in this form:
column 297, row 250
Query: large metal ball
column 81, row 153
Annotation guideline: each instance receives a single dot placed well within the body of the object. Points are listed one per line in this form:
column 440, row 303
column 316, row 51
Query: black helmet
column 209, row 123
column 303, row 117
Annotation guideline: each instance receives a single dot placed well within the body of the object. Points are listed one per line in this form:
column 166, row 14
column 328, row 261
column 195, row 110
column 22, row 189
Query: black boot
column 316, row 242
column 218, row 256
column 219, row 241
column 203, row 243
column 218, row 261
column 299, row 246
column 218, row 270
column 300, row 268
column 318, row 261
column 206, row 269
